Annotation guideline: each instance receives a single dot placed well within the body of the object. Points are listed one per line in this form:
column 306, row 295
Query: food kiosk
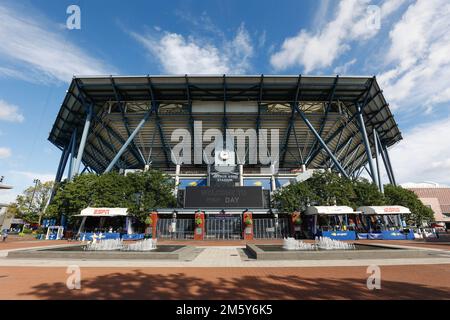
column 385, row 222
column 331, row 221
column 102, row 230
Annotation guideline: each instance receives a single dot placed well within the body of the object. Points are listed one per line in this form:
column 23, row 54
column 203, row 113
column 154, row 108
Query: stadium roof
column 265, row 101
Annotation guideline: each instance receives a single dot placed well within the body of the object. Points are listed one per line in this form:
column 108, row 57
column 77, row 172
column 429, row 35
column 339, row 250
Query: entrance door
column 265, row 228
column 223, row 228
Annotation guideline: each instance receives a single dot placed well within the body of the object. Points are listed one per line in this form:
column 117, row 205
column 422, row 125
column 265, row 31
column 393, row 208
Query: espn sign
column 391, row 210
column 101, row 211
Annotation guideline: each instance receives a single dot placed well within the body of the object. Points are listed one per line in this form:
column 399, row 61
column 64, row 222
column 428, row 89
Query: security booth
column 385, row 223
column 330, row 221
column 106, row 223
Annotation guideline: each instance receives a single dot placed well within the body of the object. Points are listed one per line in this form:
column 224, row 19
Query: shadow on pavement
column 139, row 285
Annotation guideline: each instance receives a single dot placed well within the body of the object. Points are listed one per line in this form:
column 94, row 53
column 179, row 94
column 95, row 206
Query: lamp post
column 35, row 181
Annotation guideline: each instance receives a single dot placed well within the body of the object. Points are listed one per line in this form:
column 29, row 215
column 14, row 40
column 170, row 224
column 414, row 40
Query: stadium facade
column 125, row 123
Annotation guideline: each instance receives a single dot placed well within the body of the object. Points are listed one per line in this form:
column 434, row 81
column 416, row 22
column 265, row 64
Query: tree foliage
column 397, row 195
column 326, row 188
column 140, row 192
column 32, row 202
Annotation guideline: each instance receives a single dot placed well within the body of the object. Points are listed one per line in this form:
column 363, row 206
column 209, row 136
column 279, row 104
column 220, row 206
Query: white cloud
column 179, row 55
column 7, row 196
column 343, row 69
column 5, row 153
column 419, row 52
column 319, row 49
column 30, row 176
column 423, row 154
column 34, row 45
column 9, row 112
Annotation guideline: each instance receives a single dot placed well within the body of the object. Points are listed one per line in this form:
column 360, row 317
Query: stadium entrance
column 223, row 227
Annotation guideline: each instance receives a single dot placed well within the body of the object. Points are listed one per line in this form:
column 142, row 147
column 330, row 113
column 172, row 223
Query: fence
column 184, row 229
column 223, row 228
column 266, row 229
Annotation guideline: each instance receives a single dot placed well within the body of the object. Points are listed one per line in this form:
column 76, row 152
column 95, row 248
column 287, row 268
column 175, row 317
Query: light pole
column 35, row 181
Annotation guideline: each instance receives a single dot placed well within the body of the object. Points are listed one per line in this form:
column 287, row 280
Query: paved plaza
column 222, row 271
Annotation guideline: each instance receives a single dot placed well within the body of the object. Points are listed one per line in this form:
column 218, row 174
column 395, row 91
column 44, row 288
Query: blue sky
column 408, row 51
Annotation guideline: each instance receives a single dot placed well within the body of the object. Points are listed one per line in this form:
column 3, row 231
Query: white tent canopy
column 384, row 210
column 329, row 210
column 103, row 212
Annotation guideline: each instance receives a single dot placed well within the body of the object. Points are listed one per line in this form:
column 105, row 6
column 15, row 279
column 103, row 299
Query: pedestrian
column 4, row 235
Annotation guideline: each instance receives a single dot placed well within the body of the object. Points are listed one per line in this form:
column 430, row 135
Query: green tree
column 367, row 194
column 139, row 192
column 32, row 202
column 72, row 196
column 294, row 197
column 331, row 189
column 396, row 195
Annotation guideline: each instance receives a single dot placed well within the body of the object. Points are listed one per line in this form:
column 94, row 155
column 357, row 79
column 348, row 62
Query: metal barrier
column 184, row 229
column 265, row 228
column 223, row 228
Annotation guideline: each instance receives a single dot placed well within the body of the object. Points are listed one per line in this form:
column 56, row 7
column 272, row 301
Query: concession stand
column 331, row 221
column 106, row 223
column 385, row 222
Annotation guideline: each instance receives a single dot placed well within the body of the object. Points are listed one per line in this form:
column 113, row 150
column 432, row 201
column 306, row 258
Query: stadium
column 126, row 123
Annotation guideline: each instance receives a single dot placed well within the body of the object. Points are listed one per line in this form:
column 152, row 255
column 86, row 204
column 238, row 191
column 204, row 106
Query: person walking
column 4, row 235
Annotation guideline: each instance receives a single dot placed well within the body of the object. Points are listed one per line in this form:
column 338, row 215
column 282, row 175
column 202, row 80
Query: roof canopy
column 254, row 101
column 380, row 210
column 329, row 210
column 103, row 212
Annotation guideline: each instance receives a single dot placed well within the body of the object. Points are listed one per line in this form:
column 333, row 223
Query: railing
column 223, row 228
column 184, row 229
column 266, row 229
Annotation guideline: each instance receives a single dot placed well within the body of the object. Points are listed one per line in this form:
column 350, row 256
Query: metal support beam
column 291, row 121
column 191, row 117
column 166, row 148
column 84, row 136
column 324, row 120
column 224, row 118
column 73, row 141
column 324, row 146
column 61, row 167
column 377, row 160
column 362, row 128
column 120, row 101
column 258, row 118
column 383, row 156
column 130, row 138
column 390, row 165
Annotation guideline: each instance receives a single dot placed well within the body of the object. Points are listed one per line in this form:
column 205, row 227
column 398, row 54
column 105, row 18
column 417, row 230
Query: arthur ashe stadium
column 125, row 123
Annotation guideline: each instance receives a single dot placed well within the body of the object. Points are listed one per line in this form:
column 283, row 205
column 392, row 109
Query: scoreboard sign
column 223, row 197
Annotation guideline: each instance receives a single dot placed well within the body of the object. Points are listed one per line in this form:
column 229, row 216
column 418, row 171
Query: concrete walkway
column 222, row 256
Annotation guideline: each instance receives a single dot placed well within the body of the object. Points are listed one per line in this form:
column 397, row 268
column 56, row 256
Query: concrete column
column 177, row 178
column 241, row 175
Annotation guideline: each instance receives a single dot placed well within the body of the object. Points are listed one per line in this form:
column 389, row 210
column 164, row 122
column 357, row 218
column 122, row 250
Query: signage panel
column 223, row 197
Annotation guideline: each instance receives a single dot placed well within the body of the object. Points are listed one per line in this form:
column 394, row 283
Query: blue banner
column 375, row 236
column 87, row 236
column 340, row 235
column 393, row 235
column 135, row 236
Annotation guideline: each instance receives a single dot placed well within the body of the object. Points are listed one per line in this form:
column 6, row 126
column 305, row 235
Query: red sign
column 101, row 211
column 391, row 209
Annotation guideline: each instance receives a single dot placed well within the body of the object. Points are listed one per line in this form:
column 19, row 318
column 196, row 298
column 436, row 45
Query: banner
column 340, row 235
